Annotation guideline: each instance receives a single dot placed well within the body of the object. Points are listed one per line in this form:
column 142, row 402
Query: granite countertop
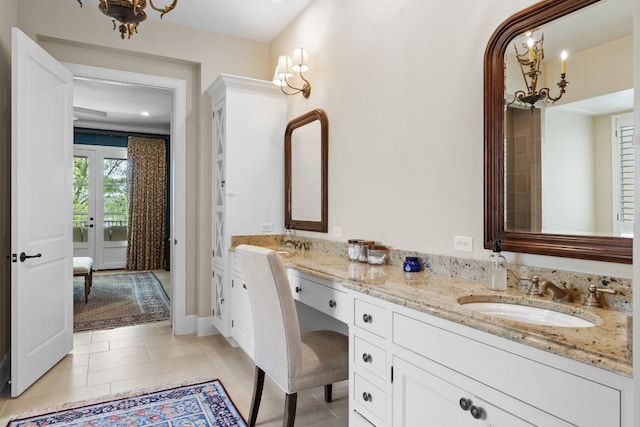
column 606, row 345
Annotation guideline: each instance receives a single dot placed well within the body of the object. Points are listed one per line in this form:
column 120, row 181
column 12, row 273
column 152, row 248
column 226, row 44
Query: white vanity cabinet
column 249, row 119
column 410, row 369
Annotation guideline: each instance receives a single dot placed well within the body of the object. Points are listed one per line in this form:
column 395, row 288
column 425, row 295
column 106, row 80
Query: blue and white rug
column 197, row 405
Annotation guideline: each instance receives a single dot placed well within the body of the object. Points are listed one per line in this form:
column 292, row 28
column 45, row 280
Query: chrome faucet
column 593, row 299
column 535, row 288
column 297, row 244
column 557, row 294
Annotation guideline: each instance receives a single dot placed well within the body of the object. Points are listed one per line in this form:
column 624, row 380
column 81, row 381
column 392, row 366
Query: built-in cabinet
column 413, row 369
column 249, row 118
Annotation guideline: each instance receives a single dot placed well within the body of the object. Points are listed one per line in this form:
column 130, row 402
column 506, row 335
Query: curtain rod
column 117, row 133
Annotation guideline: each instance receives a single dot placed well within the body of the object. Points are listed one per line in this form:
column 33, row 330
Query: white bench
column 83, row 266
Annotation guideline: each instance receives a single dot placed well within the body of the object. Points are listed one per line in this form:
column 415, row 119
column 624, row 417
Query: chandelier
column 529, row 61
column 127, row 14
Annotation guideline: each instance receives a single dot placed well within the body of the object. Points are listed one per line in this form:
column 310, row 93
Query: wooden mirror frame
column 289, row 222
column 601, row 248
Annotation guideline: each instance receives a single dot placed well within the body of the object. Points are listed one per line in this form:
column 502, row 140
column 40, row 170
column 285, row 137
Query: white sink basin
column 528, row 314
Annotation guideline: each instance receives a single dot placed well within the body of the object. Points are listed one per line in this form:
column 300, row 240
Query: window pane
column 116, row 209
column 80, row 198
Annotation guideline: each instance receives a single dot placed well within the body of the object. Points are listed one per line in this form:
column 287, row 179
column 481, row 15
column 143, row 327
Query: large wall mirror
column 306, row 154
column 559, row 174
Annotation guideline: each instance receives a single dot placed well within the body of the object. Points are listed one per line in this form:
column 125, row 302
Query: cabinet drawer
column 371, row 318
column 357, row 420
column 370, row 357
column 331, row 301
column 370, row 397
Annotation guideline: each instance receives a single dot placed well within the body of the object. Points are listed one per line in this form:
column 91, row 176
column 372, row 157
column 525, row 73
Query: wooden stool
column 83, row 266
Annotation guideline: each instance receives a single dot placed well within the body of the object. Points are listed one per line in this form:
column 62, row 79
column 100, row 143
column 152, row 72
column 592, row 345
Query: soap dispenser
column 497, row 269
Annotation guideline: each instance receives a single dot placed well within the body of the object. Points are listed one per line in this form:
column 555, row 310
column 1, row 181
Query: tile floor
column 137, row 357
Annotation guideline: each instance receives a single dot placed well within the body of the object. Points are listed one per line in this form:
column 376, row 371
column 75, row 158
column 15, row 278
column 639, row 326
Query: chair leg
column 290, row 403
column 328, row 391
column 257, row 396
column 86, row 288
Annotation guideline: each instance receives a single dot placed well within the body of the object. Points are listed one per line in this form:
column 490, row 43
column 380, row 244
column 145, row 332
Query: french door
column 100, row 205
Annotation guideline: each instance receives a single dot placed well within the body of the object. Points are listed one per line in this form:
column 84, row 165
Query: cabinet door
column 219, row 179
column 241, row 319
column 423, row 399
column 219, row 309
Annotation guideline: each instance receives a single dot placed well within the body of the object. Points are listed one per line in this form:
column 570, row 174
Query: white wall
column 568, row 168
column 402, row 85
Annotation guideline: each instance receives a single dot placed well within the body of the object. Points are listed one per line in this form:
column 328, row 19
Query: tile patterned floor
column 137, row 357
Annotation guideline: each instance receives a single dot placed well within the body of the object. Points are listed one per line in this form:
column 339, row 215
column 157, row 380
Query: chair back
column 278, row 348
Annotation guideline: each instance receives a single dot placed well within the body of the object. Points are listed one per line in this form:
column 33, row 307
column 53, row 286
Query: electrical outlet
column 464, row 244
column 266, row 228
column 337, row 231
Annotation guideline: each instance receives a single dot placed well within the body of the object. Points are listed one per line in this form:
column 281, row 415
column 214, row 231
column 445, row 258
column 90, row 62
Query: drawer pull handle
column 476, row 412
column 332, row 303
column 367, row 397
column 465, row 404
column 367, row 358
column 367, row 318
column 298, row 289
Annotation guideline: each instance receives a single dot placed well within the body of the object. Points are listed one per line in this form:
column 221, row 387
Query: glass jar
column 357, row 249
column 411, row 264
column 353, row 249
column 377, row 254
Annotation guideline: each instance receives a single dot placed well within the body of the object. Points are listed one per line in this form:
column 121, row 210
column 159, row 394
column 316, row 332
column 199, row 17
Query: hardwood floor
column 138, row 357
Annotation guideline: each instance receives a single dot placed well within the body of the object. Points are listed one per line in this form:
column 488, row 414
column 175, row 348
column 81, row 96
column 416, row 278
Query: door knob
column 24, row 256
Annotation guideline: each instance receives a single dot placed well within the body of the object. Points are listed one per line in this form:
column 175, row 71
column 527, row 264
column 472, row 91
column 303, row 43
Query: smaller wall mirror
column 306, row 156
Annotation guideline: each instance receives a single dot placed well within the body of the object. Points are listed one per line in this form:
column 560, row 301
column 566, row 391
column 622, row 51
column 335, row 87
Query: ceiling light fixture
column 145, row 113
column 285, row 68
column 129, row 13
column 530, row 61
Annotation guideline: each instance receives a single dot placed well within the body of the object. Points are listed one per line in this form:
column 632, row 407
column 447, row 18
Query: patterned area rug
column 197, row 405
column 119, row 300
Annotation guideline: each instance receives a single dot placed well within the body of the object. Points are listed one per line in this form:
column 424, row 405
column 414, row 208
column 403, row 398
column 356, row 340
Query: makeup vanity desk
column 418, row 357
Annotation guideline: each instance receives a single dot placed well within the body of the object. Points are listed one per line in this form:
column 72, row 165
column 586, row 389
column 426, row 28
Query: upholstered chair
column 294, row 361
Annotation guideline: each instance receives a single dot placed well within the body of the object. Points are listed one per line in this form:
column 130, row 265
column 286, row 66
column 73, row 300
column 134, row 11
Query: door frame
column 178, row 168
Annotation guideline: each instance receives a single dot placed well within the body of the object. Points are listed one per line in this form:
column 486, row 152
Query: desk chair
column 294, row 361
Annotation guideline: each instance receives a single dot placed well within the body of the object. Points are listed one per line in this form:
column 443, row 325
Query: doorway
column 177, row 253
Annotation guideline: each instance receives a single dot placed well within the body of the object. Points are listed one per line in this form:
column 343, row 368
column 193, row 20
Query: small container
column 411, row 264
column 353, row 249
column 377, row 254
column 357, row 249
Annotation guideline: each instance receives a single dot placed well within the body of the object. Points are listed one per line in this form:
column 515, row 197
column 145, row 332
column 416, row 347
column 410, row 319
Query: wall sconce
column 285, row 70
column 530, row 61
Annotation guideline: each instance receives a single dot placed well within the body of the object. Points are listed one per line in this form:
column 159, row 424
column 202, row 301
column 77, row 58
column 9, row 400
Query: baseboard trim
column 204, row 327
column 200, row 326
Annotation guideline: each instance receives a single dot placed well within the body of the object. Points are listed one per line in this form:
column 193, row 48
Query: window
column 623, row 170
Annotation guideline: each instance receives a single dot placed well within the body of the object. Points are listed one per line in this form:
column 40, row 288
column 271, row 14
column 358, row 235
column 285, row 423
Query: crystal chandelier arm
column 164, row 10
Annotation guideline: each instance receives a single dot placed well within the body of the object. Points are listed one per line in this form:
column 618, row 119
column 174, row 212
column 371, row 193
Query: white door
column 41, row 241
column 100, row 207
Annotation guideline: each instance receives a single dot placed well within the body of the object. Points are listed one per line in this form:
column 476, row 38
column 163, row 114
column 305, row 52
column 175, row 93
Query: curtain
column 147, row 181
